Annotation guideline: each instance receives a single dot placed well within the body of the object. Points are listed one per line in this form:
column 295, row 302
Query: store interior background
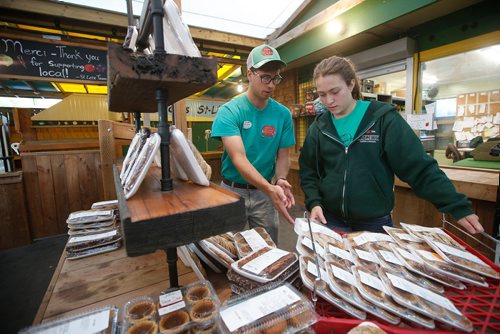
column 437, row 51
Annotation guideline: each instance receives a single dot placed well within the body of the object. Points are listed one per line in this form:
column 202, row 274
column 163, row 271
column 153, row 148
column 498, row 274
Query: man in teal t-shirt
column 257, row 133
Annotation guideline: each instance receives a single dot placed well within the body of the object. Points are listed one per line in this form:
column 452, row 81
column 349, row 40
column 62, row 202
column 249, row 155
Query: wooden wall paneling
column 32, row 191
column 59, row 172
column 71, row 162
column 87, row 179
column 98, row 179
column 107, row 147
column 14, row 227
column 47, row 198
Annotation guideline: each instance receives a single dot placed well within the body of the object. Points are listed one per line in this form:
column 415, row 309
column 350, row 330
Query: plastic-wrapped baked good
column 246, row 284
column 203, row 310
column 343, row 283
column 283, row 308
column 372, row 288
column 174, row 322
column 138, row 309
column 424, row 301
column 143, row 327
column 424, row 275
column 265, row 264
column 225, row 245
column 401, row 237
column 433, row 233
column 85, row 216
column 252, row 240
column 304, row 246
column 93, row 251
column 197, row 293
column 301, row 227
column 190, row 309
column 133, row 151
column 80, row 243
column 309, row 274
column 103, row 320
column 216, row 253
column 463, row 259
column 363, row 238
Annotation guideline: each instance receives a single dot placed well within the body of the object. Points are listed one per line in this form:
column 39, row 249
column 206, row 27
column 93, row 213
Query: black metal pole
column 172, row 267
column 137, row 120
column 163, row 131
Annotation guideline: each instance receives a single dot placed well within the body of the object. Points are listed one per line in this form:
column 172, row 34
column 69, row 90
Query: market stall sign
column 23, row 58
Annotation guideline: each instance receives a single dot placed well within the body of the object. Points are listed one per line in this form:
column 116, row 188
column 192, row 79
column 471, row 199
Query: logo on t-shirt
column 247, row 125
column 268, row 131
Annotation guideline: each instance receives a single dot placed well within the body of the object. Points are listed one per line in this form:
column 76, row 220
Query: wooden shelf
column 133, row 79
column 152, row 219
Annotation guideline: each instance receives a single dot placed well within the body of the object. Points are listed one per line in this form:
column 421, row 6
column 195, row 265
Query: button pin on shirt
column 247, row 125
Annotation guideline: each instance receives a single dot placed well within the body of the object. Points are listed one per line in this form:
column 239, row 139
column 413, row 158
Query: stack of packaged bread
column 93, row 231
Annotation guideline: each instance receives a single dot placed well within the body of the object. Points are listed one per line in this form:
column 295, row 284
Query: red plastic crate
column 480, row 305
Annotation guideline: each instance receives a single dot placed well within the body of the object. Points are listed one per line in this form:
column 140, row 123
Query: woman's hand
column 317, row 214
column 471, row 224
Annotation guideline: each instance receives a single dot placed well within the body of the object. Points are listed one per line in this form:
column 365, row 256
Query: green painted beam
column 367, row 15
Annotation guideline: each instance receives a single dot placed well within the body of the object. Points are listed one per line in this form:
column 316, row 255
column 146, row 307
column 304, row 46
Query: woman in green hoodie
column 351, row 154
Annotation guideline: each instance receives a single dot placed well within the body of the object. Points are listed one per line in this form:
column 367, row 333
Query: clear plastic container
column 402, row 237
column 225, row 244
column 216, row 253
column 139, row 309
column 343, row 283
column 252, row 240
column 363, row 238
column 301, row 227
column 424, row 301
column 435, row 261
column 421, row 275
column 426, row 278
column 100, row 321
column 335, row 253
column 265, row 264
column 323, row 289
column 85, row 216
column 304, row 247
column 270, row 309
column 462, row 258
column 81, row 243
column 141, row 165
column 372, row 288
column 193, row 308
column 434, row 233
column 245, row 284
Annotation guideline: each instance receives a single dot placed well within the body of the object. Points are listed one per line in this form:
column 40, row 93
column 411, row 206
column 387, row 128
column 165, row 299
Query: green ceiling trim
column 466, row 23
column 367, row 15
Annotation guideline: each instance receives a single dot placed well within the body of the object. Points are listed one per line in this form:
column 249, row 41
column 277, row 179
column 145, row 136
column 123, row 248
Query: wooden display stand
column 161, row 216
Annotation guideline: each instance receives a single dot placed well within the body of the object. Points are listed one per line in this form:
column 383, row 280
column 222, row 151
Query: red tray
column 480, row 305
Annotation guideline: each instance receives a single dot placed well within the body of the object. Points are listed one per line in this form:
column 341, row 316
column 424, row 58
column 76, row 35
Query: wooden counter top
column 475, row 183
column 106, row 279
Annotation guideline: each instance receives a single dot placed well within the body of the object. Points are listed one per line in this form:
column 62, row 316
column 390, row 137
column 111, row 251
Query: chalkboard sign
column 51, row 61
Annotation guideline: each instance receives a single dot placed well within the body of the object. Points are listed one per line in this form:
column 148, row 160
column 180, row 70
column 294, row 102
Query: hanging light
column 239, row 88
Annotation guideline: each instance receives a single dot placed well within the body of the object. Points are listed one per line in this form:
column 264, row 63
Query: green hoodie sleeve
column 308, row 164
column 412, row 165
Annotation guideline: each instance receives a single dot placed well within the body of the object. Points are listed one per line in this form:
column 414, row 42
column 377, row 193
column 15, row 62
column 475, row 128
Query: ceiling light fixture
column 336, row 27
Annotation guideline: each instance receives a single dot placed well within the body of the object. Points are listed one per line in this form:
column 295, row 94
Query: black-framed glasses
column 266, row 78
